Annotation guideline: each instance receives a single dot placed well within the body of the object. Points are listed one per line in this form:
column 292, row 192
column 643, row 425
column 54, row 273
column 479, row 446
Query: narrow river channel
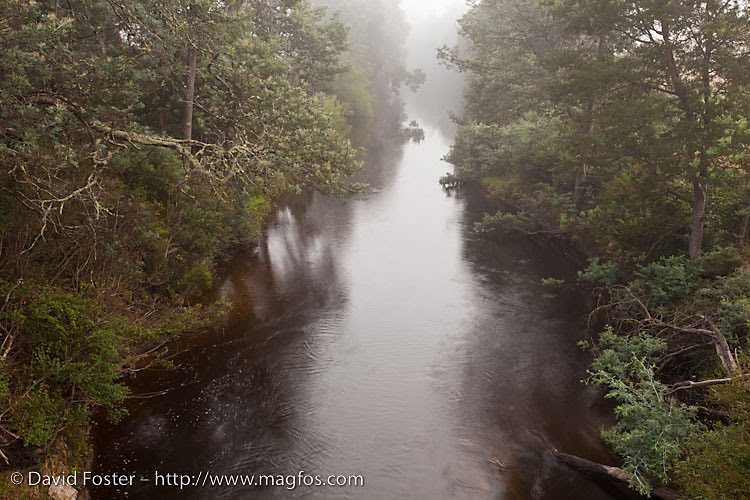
column 380, row 337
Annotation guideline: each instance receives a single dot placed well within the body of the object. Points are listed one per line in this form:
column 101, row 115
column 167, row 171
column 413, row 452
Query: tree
column 503, row 45
column 141, row 143
column 641, row 108
column 693, row 53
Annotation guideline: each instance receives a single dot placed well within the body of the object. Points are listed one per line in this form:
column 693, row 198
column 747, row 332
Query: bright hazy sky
column 416, row 9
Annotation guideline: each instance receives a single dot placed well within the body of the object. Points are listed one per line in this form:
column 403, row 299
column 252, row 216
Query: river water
column 380, row 337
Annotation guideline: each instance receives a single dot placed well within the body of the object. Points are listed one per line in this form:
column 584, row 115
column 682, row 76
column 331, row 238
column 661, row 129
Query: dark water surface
column 379, row 337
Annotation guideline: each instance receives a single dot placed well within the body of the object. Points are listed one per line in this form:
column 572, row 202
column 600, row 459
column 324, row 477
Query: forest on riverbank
column 622, row 127
column 142, row 144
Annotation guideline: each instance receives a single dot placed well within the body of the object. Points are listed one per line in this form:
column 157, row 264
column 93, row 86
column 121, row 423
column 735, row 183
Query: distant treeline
column 376, row 62
column 622, row 126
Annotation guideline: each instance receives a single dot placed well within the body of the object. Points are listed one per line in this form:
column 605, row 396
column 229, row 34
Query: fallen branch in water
column 601, row 471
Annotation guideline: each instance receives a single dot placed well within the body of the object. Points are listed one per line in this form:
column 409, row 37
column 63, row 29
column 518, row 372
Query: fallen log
column 601, row 471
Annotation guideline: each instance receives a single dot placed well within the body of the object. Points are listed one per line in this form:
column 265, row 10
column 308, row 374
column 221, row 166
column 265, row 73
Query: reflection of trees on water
column 413, row 132
column 237, row 401
column 296, row 262
column 381, row 163
column 521, row 380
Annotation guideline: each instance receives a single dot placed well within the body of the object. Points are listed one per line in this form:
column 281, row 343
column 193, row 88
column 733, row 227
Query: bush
column 198, row 279
column 67, row 360
column 74, row 346
column 729, row 298
column 651, row 428
column 599, row 273
column 38, row 417
column 717, row 462
column 666, row 280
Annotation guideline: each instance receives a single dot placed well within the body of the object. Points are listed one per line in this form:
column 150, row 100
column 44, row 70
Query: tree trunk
column 583, row 171
column 591, row 106
column 744, row 226
column 187, row 110
column 578, row 188
column 163, row 100
column 601, row 471
column 16, row 18
column 699, row 216
column 728, row 362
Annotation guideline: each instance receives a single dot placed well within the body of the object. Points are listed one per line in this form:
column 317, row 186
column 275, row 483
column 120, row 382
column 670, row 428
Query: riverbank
column 378, row 337
column 647, row 314
column 70, row 452
column 129, row 177
column 653, row 182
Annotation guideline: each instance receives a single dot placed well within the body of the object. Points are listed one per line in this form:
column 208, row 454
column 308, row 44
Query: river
column 379, row 337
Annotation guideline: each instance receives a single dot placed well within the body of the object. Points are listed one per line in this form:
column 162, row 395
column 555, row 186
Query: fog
column 416, row 9
column 432, row 24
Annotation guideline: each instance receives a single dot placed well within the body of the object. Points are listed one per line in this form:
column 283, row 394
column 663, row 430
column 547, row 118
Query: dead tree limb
column 690, row 384
column 601, row 471
column 696, row 325
column 723, row 351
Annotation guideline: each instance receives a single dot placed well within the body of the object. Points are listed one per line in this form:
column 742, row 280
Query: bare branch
column 689, row 384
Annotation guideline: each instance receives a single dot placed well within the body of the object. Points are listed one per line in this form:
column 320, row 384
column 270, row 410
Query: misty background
column 433, row 24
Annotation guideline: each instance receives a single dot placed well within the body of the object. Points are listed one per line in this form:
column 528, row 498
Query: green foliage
column 76, row 434
column 619, row 225
column 615, row 353
column 338, row 113
column 523, row 149
column 552, row 282
column 655, row 431
column 449, row 181
column 475, row 151
column 717, row 462
column 599, row 273
column 354, row 90
column 666, row 280
column 651, row 428
column 504, row 222
column 38, row 416
column 497, row 186
column 375, row 62
column 112, row 220
column 729, row 298
column 315, row 46
column 721, row 260
column 411, row 79
column 503, row 85
column 88, row 149
column 75, row 347
column 567, row 102
column 612, row 123
column 717, row 466
column 200, row 277
column 181, row 320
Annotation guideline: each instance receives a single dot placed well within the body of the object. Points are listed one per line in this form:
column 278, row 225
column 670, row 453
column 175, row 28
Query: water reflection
column 378, row 337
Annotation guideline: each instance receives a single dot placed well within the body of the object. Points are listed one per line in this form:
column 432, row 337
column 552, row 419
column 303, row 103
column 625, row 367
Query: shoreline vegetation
column 142, row 145
column 621, row 128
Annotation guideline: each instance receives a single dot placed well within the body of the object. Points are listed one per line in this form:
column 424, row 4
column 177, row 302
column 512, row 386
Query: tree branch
column 689, row 384
column 601, row 471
